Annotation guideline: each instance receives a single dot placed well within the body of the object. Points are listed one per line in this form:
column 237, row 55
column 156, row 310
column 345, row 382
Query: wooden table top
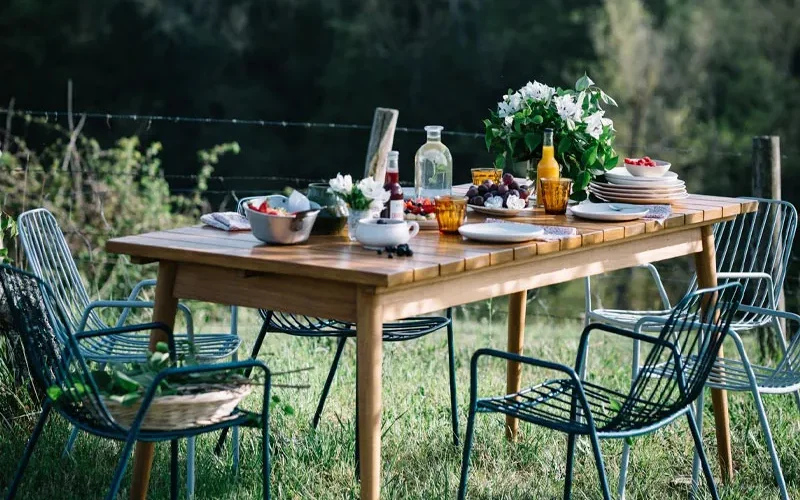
column 336, row 258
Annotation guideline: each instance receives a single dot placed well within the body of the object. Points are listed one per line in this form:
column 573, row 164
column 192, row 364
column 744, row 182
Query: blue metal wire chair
column 697, row 326
column 49, row 257
column 754, row 250
column 306, row 326
column 56, row 359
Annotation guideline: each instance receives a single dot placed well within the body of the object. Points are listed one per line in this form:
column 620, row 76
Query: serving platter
column 501, row 232
column 503, row 212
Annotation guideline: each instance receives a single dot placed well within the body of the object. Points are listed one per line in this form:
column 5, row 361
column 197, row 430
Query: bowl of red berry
column 271, row 222
column 645, row 167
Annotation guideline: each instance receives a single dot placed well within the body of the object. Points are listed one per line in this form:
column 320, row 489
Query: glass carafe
column 433, row 166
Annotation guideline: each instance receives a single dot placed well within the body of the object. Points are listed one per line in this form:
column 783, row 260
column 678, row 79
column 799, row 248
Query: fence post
column 767, row 184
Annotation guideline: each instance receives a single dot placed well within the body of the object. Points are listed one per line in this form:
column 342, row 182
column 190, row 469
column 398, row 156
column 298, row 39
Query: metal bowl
column 281, row 229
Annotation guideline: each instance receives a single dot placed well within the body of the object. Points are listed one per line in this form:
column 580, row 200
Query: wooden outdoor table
column 330, row 277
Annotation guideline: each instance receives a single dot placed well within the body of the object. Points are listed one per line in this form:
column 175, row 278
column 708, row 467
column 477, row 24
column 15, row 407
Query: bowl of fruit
column 423, row 211
column 271, row 222
column 645, row 167
column 509, row 198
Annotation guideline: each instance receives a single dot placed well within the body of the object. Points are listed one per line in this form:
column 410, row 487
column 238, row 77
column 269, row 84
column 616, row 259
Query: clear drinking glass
column 555, row 195
column 433, row 166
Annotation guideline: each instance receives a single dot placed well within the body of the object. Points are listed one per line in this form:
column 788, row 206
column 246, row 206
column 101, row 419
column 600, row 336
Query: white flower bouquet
column 368, row 194
column 583, row 136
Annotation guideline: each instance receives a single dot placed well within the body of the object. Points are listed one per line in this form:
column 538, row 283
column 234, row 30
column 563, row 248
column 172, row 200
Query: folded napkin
column 658, row 213
column 551, row 233
column 227, row 221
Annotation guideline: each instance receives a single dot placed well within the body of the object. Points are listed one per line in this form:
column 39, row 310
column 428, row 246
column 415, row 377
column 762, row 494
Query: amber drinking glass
column 450, row 213
column 555, row 195
column 481, row 174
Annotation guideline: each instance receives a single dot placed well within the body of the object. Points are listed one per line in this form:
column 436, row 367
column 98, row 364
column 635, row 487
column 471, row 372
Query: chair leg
column 265, row 456
column 191, row 453
column 120, row 470
column 698, row 417
column 776, row 463
column 328, row 381
column 698, row 447
column 235, row 435
column 570, row 466
column 451, row 359
column 253, row 355
column 73, row 435
column 26, row 456
column 601, row 469
column 623, row 470
column 462, row 486
column 173, row 469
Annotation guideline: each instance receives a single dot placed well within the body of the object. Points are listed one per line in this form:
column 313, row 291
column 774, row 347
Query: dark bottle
column 395, row 207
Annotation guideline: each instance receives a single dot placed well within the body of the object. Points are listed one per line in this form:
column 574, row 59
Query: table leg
column 706, row 265
column 369, row 359
column 163, row 312
column 516, row 337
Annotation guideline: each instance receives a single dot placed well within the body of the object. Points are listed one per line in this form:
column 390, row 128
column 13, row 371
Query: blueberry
column 381, row 221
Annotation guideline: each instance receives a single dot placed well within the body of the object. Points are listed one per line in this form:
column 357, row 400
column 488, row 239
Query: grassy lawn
column 419, row 460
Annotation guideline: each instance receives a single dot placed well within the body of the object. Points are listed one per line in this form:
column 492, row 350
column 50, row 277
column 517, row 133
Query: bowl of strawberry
column 645, row 167
column 271, row 222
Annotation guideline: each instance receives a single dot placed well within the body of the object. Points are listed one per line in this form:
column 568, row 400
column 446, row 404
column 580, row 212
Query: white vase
column 353, row 216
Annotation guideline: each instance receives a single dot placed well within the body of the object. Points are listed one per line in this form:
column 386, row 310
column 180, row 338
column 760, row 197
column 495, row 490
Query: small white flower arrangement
column 368, row 194
column 583, row 136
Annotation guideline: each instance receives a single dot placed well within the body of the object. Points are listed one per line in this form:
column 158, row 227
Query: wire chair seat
column 622, row 318
column 550, row 404
column 130, row 347
column 307, row 326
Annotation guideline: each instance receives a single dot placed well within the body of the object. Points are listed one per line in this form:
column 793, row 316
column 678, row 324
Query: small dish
column 376, row 234
column 501, row 232
column 660, row 168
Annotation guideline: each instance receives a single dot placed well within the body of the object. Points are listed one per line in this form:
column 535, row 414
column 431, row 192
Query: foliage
column 8, row 229
column 582, row 136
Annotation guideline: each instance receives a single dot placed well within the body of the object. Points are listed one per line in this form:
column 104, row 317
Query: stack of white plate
column 626, row 188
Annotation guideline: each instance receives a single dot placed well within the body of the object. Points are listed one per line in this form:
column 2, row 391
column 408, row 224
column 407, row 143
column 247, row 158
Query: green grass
column 419, row 460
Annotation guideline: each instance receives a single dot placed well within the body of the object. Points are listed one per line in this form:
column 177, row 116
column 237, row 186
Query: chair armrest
column 662, row 293
column 127, row 305
column 138, row 287
column 736, row 275
column 130, row 329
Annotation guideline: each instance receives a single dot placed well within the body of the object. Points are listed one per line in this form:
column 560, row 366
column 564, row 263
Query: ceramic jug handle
column 413, row 227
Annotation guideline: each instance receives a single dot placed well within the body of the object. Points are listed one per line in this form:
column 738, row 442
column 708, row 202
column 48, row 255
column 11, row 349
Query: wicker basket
column 196, row 406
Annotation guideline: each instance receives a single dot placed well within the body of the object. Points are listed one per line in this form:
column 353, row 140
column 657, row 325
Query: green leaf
column 533, row 140
column 488, row 139
column 162, row 347
column 608, row 99
column 629, row 441
column 126, row 382
column 611, row 163
column 288, row 410
column 276, row 398
column 103, row 380
column 582, row 179
column 583, row 83
column 500, row 160
column 564, row 145
column 487, row 123
column 538, row 119
column 54, row 392
column 615, row 405
column 126, row 399
column 589, row 156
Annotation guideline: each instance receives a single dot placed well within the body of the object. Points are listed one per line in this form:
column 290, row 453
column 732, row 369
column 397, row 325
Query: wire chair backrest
column 755, row 247
column 50, row 258
column 696, row 328
column 54, row 359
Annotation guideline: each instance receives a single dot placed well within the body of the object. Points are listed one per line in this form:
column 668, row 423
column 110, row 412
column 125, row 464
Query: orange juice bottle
column 548, row 166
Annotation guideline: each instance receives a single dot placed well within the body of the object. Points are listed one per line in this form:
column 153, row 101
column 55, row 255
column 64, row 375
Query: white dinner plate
column 640, row 201
column 638, row 189
column 602, row 211
column 503, row 212
column 622, row 173
column 501, row 232
column 637, row 194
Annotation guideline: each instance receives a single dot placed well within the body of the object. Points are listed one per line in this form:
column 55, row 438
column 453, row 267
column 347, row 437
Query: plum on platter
column 472, row 191
column 477, row 201
column 508, row 179
column 513, row 192
column 483, row 189
column 513, row 185
column 503, row 189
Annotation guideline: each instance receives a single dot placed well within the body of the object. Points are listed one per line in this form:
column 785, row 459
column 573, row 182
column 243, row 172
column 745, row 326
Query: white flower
column 516, row 101
column 539, row 92
column 515, row 203
column 509, row 120
column 595, row 123
column 567, row 108
column 494, row 202
column 373, row 190
column 341, row 185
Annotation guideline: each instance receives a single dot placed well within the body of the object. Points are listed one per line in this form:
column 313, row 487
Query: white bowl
column 661, row 168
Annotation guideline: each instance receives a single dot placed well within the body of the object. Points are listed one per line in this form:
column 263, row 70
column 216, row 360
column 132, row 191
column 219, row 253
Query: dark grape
column 477, row 200
column 508, row 179
column 513, row 192
column 523, row 195
column 488, row 183
column 513, row 185
column 486, row 196
column 503, row 189
column 472, row 191
column 482, row 189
